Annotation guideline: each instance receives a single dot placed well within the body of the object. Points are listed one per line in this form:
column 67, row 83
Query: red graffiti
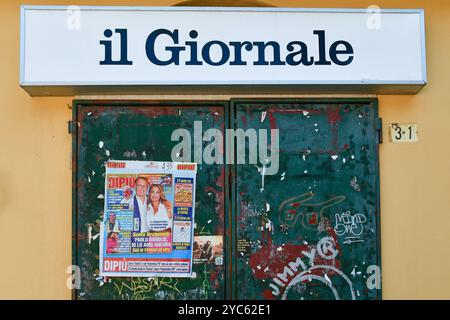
column 313, row 220
column 269, row 261
column 267, row 294
column 333, row 115
column 244, row 121
column 282, row 263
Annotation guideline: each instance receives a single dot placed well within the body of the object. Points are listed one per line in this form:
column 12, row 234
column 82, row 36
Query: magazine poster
column 147, row 229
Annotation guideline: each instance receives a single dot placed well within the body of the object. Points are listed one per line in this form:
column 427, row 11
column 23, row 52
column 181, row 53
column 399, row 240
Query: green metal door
column 311, row 231
column 142, row 131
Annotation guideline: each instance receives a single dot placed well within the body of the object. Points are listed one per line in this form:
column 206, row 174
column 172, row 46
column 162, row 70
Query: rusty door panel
column 141, row 131
column 312, row 230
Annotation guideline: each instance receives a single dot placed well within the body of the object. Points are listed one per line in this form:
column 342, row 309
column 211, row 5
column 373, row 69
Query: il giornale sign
column 82, row 50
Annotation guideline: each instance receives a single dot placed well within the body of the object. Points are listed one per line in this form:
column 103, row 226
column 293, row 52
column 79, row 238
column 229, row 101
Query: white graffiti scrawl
column 350, row 226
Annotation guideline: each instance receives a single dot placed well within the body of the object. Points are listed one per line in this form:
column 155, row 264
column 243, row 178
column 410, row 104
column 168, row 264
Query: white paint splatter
column 209, row 221
column 100, row 144
column 282, row 176
column 263, row 116
column 305, row 113
column 334, row 157
column 267, row 207
column 107, row 153
column 263, row 175
column 100, row 196
column 89, row 234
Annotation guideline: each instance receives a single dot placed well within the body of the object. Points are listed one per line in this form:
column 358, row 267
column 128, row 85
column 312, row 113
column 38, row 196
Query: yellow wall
column 35, row 174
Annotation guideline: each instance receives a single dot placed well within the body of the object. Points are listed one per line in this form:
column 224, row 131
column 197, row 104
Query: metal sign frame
column 230, row 87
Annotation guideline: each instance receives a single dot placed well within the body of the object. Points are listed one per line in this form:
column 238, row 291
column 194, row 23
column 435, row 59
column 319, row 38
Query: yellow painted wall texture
column 35, row 173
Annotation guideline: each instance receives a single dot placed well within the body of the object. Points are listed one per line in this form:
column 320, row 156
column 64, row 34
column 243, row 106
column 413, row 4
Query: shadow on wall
column 223, row 3
column 5, row 191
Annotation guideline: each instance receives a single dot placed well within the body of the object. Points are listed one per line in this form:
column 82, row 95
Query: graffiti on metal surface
column 350, row 226
column 301, row 208
column 289, row 267
column 319, row 240
column 140, row 288
column 290, row 270
column 307, row 275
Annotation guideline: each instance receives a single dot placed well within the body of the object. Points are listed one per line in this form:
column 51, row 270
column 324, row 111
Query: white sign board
column 117, row 47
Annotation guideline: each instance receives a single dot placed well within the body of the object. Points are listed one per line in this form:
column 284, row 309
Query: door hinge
column 379, row 127
column 70, row 127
